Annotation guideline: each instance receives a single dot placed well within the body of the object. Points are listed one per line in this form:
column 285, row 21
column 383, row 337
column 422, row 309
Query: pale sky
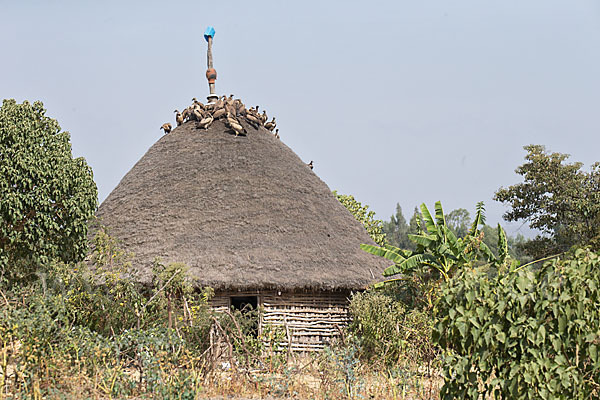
column 395, row 101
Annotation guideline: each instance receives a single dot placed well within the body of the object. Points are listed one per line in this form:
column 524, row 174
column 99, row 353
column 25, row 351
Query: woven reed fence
column 310, row 319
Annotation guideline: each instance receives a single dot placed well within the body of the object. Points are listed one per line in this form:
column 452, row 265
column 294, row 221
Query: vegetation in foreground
column 66, row 336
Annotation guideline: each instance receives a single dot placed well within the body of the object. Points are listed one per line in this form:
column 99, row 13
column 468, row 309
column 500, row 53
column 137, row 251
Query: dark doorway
column 248, row 307
column 244, row 303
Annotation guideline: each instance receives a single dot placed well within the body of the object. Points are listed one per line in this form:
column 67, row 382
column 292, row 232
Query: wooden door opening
column 248, row 306
column 244, row 303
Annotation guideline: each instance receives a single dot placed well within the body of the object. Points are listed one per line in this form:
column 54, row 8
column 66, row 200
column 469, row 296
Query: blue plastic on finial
column 209, row 32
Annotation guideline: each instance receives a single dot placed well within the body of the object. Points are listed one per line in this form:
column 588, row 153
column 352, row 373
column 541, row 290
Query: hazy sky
column 395, row 101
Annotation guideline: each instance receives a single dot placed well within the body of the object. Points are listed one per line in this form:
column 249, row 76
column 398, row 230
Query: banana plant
column 438, row 248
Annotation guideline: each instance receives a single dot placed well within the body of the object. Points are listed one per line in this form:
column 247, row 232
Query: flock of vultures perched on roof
column 231, row 110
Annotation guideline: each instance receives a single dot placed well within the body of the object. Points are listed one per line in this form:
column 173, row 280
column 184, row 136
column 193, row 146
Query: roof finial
column 211, row 73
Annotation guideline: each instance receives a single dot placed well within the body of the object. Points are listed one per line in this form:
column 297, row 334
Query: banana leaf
column 383, row 252
column 456, row 247
column 439, row 214
column 411, row 264
column 403, row 253
column 423, row 240
column 490, row 257
column 479, row 219
column 429, row 222
column 445, row 251
column 379, row 285
column 502, row 245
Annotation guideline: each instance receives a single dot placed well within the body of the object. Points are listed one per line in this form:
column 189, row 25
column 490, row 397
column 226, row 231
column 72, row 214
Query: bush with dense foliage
column 100, row 322
column 46, row 195
column 523, row 334
column 389, row 333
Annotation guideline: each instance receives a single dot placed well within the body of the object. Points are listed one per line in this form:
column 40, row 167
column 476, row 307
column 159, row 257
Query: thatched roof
column 241, row 212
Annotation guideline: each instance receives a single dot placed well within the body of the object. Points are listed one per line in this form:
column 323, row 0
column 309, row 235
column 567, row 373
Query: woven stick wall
column 311, row 319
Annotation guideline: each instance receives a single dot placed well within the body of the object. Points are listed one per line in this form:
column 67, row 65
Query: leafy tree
column 396, row 230
column 556, row 197
column 458, row 221
column 416, row 221
column 46, row 195
column 362, row 214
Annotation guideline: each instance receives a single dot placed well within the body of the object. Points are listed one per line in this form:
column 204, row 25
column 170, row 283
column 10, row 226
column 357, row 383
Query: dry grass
column 318, row 377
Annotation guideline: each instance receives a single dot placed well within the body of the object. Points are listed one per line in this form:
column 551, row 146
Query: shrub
column 389, row 332
column 526, row 334
column 65, row 323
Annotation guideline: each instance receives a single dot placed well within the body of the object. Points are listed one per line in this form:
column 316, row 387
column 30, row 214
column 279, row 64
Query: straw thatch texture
column 242, row 212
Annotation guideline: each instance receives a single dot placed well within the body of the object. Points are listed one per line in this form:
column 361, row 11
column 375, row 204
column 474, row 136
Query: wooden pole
column 209, row 59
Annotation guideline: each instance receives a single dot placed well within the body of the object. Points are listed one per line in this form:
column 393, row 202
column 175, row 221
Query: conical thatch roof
column 241, row 212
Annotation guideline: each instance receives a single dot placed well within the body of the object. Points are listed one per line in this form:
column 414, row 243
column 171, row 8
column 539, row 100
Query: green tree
column 46, row 195
column 396, row 230
column 458, row 222
column 416, row 222
column 362, row 214
column 556, row 197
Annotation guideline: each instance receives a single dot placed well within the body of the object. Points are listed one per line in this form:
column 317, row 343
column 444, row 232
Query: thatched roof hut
column 245, row 214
